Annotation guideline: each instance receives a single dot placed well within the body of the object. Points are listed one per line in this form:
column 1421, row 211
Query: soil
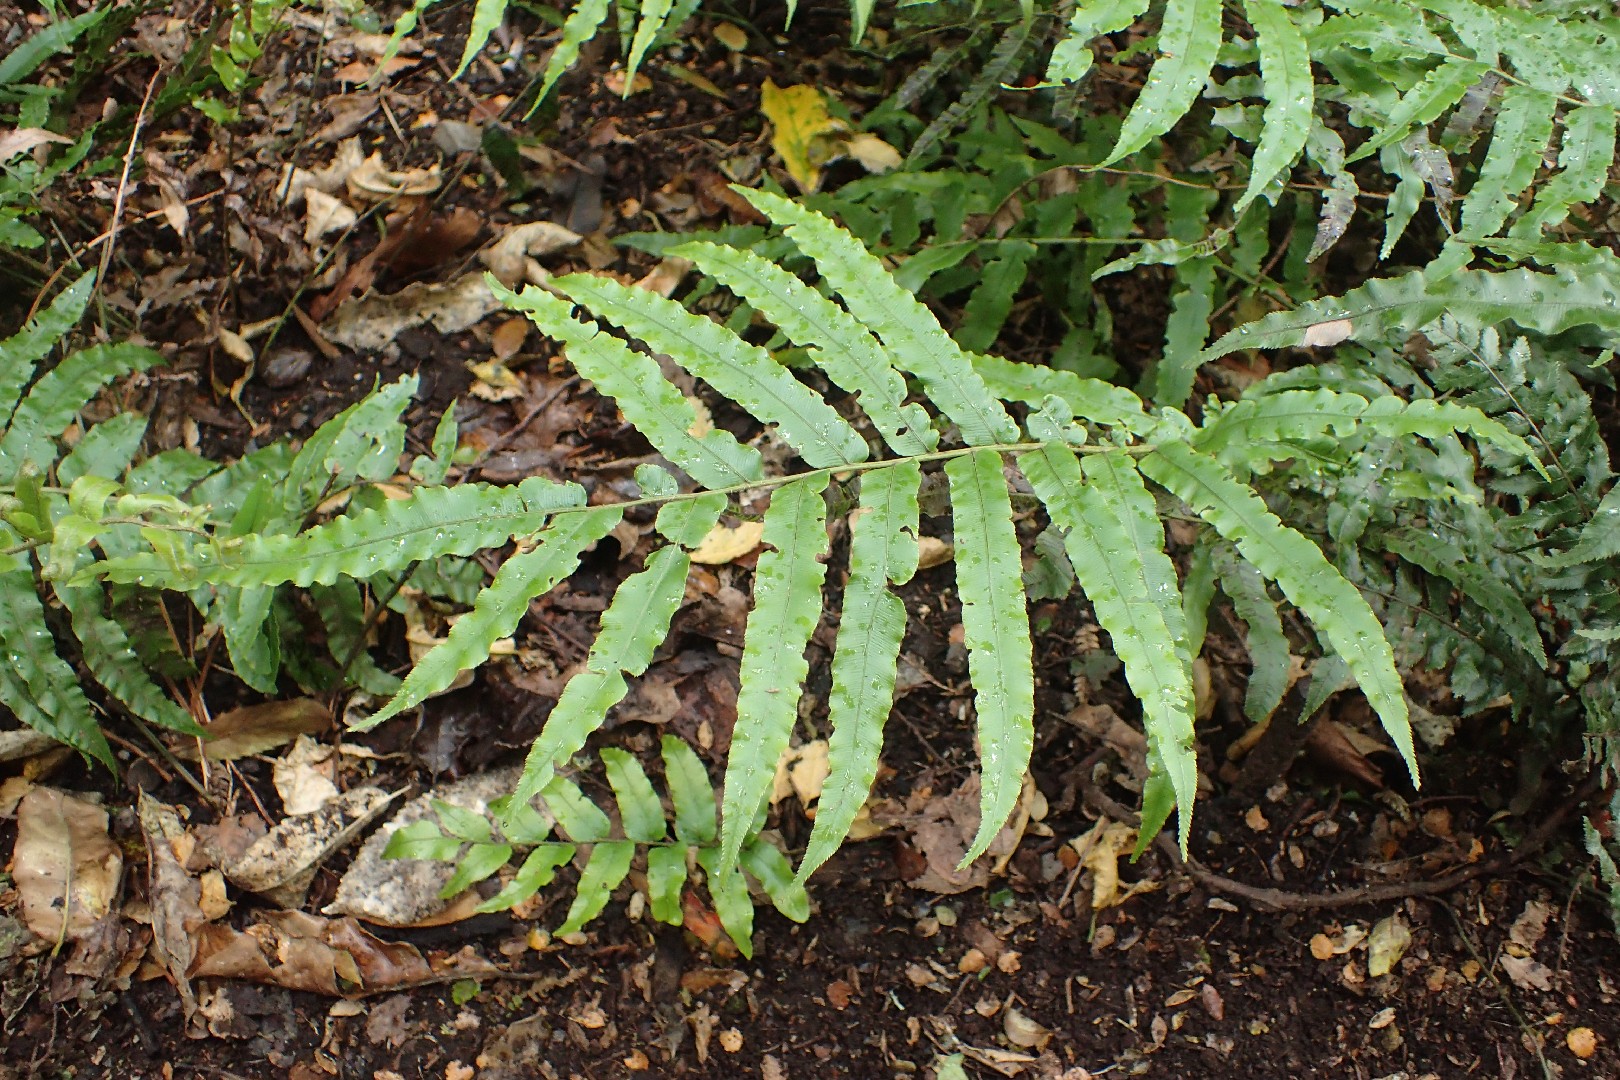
column 1252, row 960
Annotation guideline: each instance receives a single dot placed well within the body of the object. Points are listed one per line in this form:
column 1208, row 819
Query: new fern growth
column 1093, row 454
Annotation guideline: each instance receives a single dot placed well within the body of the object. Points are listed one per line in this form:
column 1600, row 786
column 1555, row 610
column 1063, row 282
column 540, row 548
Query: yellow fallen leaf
column 726, row 543
column 875, row 155
column 798, row 115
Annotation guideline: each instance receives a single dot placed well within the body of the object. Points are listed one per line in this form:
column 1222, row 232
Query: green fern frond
column 1306, row 577
column 1071, row 57
column 21, row 353
column 1268, row 645
column 883, row 553
column 837, row 344
column 430, row 522
column 53, row 402
column 1524, row 124
column 649, row 401
column 37, row 684
column 1285, row 71
column 741, row 372
column 915, row 340
column 1478, row 583
column 501, row 606
column 787, row 606
column 1584, row 156
column 1116, row 545
column 995, row 628
column 632, row 626
column 1188, row 43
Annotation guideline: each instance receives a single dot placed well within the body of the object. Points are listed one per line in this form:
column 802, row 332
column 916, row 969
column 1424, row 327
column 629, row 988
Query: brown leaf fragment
column 1330, row 744
column 66, row 868
column 288, row 855
column 174, row 897
column 839, row 994
column 21, row 140
column 1582, row 1042
column 298, row 951
column 253, row 729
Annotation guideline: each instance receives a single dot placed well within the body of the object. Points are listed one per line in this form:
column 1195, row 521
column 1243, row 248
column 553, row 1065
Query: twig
column 123, row 179
column 1284, row 900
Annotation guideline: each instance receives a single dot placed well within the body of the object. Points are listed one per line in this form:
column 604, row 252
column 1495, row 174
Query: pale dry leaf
column 66, row 868
column 494, row 381
column 21, row 140
column 932, row 552
column 666, row 277
column 1325, row 334
column 373, row 181
column 1387, row 944
column 1531, row 925
column 289, row 854
column 727, row 543
column 253, row 729
column 370, row 323
column 324, row 214
column 1527, row 973
column 304, row 776
column 511, row 256
column 875, row 155
column 174, row 899
column 1023, row 1032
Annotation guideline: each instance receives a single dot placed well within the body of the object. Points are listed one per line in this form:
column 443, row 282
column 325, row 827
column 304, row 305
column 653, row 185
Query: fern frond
column 1305, row 576
column 21, row 353
column 690, row 793
column 430, row 522
column 666, row 877
column 106, row 449
column 883, row 552
column 1524, row 124
column 1091, row 400
column 487, row 15
column 837, row 344
column 36, row 684
column 771, row 868
column 1479, row 583
column 1189, row 40
column 1285, row 72
column 995, row 628
column 729, row 891
column 1585, row 295
column 1585, row 152
column 1251, row 429
column 113, row 663
column 1001, row 65
column 605, row 869
column 1438, row 91
column 1269, row 655
column 252, row 638
column 632, row 626
column 580, row 27
column 1116, row 545
column 500, row 608
column 1071, row 57
column 363, row 442
column 743, row 373
column 991, row 301
column 640, row 812
column 1600, row 537
column 53, row 402
column 913, row 336
column 787, row 606
column 650, row 402
column 654, row 14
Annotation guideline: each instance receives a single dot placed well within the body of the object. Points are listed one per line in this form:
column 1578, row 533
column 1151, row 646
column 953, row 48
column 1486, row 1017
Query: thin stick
column 123, row 179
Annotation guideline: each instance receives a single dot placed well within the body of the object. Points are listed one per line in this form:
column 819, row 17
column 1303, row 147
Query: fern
column 1087, row 448
column 468, row 839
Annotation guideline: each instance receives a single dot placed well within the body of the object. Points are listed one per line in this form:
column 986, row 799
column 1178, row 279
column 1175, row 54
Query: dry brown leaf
column 373, row 181
column 303, row 777
column 174, row 898
column 1100, row 851
column 370, row 323
column 1023, row 1032
column 21, row 140
column 253, row 729
column 511, row 257
column 932, row 552
column 508, row 338
column 66, row 868
column 801, row 771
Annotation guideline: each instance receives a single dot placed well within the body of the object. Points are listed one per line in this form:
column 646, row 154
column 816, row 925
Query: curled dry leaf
column 1100, row 851
column 21, row 140
column 66, row 867
column 373, row 181
column 325, row 214
column 801, row 771
column 1023, row 1032
column 1387, row 944
column 303, row 778
column 511, row 257
column 727, row 543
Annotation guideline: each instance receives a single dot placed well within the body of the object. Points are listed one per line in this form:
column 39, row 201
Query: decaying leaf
column 374, row 181
column 942, row 828
column 303, row 778
column 283, row 862
column 799, row 117
column 253, row 729
column 323, row 956
column 1100, row 851
column 373, row 321
column 66, row 867
column 405, row 892
column 1387, row 944
column 801, row 771
column 511, row 258
column 174, row 897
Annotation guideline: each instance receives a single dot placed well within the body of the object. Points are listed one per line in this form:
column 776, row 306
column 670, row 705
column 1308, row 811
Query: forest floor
column 1334, row 924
